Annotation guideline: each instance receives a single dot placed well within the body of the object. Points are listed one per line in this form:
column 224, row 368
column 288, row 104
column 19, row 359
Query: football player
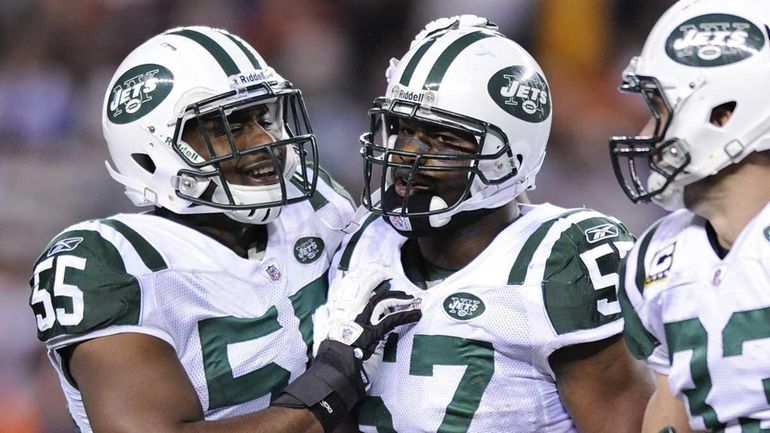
column 695, row 290
column 520, row 327
column 196, row 315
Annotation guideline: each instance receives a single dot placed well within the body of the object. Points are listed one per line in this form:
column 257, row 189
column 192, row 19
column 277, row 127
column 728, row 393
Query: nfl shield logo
column 273, row 272
column 347, row 334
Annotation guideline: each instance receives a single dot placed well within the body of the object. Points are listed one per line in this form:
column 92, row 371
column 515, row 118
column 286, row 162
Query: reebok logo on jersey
column 138, row 91
column 598, row 233
column 463, row 306
column 308, row 249
column 714, row 40
column 68, row 244
column 661, row 264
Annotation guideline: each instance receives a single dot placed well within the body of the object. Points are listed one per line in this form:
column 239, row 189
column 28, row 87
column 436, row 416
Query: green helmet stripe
column 519, row 269
column 220, row 55
column 149, row 255
column 252, row 58
column 348, row 253
column 446, row 58
column 406, row 77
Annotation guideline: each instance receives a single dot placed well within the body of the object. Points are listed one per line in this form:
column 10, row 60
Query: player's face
column 251, row 128
column 424, row 139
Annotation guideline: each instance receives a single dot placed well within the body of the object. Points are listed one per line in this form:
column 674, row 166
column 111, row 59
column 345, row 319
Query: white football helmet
column 460, row 73
column 701, row 58
column 203, row 79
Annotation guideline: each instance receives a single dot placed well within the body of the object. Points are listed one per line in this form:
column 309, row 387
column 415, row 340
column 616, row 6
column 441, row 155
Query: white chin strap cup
column 441, row 219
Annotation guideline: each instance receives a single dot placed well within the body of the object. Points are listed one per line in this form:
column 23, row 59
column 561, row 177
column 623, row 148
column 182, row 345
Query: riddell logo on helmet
column 138, row 91
column 242, row 80
column 411, row 95
column 714, row 40
column 527, row 99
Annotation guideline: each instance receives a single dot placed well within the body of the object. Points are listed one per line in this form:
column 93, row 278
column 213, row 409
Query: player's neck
column 455, row 248
column 736, row 199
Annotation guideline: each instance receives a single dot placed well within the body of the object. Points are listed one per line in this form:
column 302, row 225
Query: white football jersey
column 477, row 361
column 240, row 327
column 704, row 320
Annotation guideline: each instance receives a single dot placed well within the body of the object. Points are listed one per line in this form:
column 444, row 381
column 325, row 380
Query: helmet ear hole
column 144, row 161
column 721, row 114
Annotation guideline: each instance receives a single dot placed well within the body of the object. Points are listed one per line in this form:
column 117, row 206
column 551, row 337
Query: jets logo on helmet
column 714, row 40
column 527, row 99
column 138, row 91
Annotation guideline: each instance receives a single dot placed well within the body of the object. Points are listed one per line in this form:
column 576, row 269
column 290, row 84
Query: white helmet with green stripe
column 703, row 74
column 205, row 84
column 461, row 73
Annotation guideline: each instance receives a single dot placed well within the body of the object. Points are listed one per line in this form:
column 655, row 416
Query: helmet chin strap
column 415, row 226
column 250, row 194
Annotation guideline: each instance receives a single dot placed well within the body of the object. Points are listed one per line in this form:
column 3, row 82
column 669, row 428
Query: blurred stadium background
column 57, row 56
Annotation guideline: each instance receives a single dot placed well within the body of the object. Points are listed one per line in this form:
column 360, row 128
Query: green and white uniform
column 477, row 361
column 704, row 321
column 240, row 327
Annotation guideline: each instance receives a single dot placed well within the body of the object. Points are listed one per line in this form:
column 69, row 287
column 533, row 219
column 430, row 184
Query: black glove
column 338, row 378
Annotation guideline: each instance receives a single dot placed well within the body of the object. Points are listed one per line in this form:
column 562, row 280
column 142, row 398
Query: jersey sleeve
column 644, row 341
column 580, row 280
column 83, row 285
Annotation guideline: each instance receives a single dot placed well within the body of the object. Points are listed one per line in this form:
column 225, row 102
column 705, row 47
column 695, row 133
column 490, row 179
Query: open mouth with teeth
column 258, row 173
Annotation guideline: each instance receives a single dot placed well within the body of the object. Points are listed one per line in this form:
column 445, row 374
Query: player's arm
column 665, row 410
column 598, row 382
column 596, row 377
column 135, row 383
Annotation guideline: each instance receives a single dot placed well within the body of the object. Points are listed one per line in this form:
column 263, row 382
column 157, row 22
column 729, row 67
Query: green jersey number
column 690, row 334
column 64, row 303
column 429, row 351
column 225, row 389
column 54, row 302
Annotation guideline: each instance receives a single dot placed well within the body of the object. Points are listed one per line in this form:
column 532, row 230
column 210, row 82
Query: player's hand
column 348, row 296
column 350, row 330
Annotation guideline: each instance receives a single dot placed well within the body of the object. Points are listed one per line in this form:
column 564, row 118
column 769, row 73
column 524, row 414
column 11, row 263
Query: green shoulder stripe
column 519, row 270
column 336, row 187
column 348, row 253
column 95, row 273
column 580, row 275
column 644, row 243
column 317, row 200
column 149, row 255
column 641, row 343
